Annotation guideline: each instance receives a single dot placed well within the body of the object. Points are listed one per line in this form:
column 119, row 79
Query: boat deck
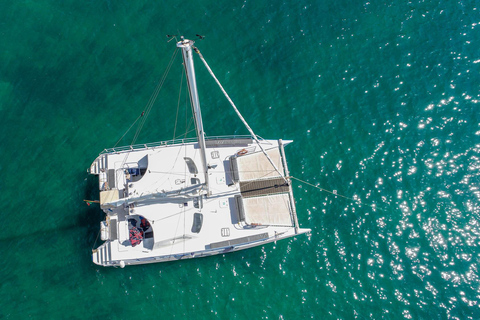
column 185, row 220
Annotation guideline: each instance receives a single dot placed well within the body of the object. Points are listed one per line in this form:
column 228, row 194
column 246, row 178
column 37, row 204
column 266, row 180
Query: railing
column 171, row 142
column 203, row 253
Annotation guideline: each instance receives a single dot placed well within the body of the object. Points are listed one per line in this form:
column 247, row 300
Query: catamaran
column 191, row 198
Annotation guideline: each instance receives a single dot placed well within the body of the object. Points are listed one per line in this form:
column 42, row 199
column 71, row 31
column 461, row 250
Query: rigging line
column 358, row 201
column 178, row 221
column 183, row 209
column 150, row 103
column 93, row 250
column 184, row 134
column 141, row 115
column 150, row 99
column 178, row 104
column 154, row 96
column 254, row 136
column 188, row 131
column 184, row 213
column 174, row 240
column 171, row 172
column 162, row 81
column 187, row 125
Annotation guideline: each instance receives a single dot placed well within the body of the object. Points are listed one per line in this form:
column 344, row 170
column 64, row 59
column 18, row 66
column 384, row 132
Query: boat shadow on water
column 92, row 214
column 76, row 233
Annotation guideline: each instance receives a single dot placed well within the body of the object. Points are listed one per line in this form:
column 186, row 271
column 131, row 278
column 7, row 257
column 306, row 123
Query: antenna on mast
column 172, row 36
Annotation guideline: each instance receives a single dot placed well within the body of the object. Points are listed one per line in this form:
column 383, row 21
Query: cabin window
column 198, row 202
column 134, row 171
column 197, row 222
column 192, row 168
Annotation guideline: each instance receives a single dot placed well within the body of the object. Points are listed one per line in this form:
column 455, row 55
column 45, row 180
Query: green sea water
column 380, row 98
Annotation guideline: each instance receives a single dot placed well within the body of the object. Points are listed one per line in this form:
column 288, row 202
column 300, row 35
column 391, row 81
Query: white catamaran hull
column 193, row 198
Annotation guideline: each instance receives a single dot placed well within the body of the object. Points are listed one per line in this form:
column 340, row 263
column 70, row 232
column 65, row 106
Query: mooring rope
column 358, row 201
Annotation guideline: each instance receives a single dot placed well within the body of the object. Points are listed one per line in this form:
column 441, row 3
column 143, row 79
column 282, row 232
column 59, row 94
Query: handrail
column 169, row 142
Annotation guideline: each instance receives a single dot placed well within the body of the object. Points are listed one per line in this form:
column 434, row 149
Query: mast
column 187, row 53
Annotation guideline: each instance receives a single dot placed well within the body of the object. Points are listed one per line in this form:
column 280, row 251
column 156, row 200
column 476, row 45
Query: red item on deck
column 136, row 236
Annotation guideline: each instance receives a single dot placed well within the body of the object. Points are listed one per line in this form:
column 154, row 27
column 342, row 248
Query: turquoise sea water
column 380, row 98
